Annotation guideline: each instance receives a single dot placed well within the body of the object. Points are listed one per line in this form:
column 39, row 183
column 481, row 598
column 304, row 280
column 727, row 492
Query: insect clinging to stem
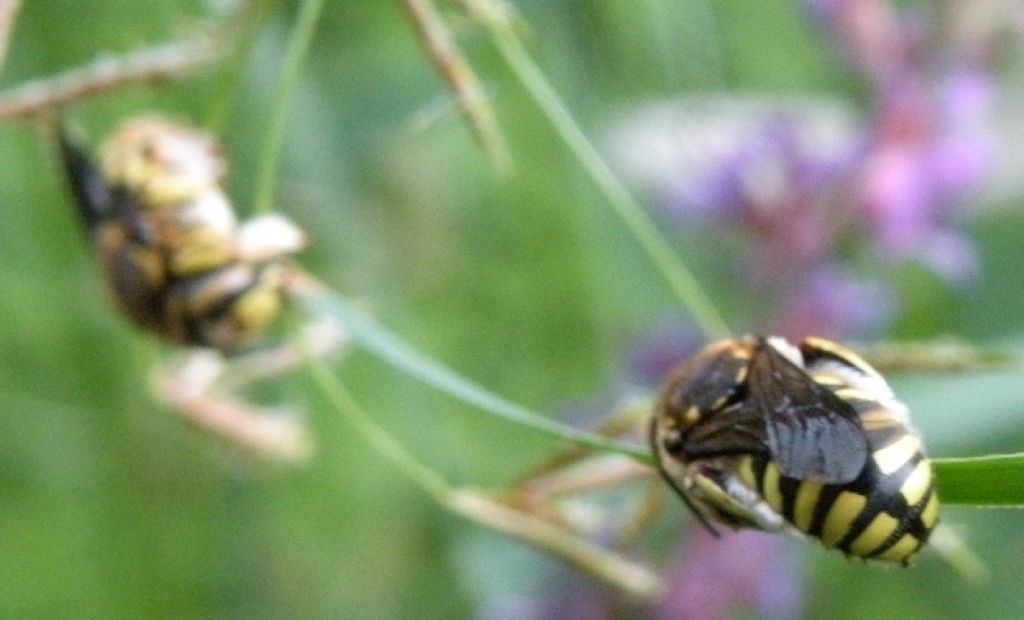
column 171, row 249
column 758, row 432
column 179, row 264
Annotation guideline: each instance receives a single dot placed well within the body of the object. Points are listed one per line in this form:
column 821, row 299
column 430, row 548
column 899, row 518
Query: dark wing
column 737, row 429
column 92, row 195
column 98, row 202
column 812, row 433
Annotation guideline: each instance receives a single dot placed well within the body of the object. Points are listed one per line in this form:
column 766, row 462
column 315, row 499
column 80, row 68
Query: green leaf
column 996, row 480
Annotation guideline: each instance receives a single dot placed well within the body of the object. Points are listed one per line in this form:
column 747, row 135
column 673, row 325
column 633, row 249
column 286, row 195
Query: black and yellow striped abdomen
column 886, row 514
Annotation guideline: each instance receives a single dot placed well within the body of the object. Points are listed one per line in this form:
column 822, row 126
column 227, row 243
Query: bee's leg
column 268, row 237
column 92, row 195
column 732, row 501
column 190, row 387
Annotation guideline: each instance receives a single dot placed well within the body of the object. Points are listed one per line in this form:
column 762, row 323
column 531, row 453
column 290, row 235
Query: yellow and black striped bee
column 175, row 257
column 756, row 432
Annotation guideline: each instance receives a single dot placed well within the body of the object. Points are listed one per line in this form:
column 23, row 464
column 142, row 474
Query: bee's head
column 160, row 162
column 706, row 383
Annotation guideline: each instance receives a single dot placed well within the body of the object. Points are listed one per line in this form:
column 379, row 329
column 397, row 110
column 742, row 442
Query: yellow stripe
column 917, row 483
column 874, row 534
column 806, row 499
column 839, row 351
column 879, row 416
column 745, row 470
column 930, row 514
column 896, row 454
column 854, row 393
column 879, row 425
column 844, row 510
column 771, row 487
column 828, row 380
column 719, row 402
column 900, row 551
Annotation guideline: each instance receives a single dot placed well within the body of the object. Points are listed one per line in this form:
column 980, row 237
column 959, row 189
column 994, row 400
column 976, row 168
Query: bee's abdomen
column 225, row 308
column 886, row 514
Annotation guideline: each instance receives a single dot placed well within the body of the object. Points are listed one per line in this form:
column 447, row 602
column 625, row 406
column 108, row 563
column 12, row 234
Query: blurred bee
column 756, row 432
column 175, row 257
column 179, row 264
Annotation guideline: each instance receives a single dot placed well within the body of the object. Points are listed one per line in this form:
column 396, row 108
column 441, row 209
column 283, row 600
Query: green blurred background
column 111, row 506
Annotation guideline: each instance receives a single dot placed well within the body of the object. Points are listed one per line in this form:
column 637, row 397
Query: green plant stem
column 251, row 20
column 394, row 351
column 633, row 215
column 302, row 34
column 482, row 509
column 425, row 478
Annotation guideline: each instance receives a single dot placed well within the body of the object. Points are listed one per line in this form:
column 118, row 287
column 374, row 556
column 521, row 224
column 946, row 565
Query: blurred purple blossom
column 572, row 598
column 655, row 353
column 834, row 300
column 813, row 196
column 744, row 571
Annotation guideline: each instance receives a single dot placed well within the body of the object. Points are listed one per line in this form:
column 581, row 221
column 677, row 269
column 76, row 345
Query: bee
column 757, row 432
column 173, row 254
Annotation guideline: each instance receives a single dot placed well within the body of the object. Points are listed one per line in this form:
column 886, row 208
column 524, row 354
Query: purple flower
column 834, row 301
column 571, row 597
column 765, row 178
column 891, row 190
column 743, row 571
column 660, row 349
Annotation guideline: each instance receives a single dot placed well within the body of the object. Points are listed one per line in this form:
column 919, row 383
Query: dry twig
column 161, row 62
column 8, row 13
column 459, row 76
column 191, row 390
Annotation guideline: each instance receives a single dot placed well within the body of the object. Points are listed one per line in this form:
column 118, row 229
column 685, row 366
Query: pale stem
column 8, row 14
column 609, row 567
column 162, row 62
column 461, row 80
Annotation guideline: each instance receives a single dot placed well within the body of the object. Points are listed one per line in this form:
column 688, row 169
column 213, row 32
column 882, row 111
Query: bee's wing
column 812, row 433
column 92, row 195
column 738, row 429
